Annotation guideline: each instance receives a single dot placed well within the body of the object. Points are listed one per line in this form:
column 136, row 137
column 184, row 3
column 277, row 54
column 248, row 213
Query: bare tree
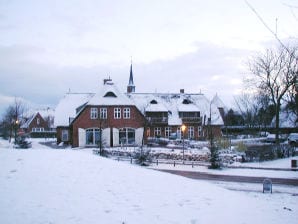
column 274, row 73
column 248, row 107
column 13, row 117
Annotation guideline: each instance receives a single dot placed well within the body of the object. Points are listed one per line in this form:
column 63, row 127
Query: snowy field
column 42, row 185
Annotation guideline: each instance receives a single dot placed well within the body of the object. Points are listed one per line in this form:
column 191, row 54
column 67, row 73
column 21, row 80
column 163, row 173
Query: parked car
column 293, row 139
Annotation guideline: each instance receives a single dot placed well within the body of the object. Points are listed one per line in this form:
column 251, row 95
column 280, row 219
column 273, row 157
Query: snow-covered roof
column 28, row 122
column 219, row 103
column 175, row 103
column 44, row 113
column 67, row 106
column 108, row 95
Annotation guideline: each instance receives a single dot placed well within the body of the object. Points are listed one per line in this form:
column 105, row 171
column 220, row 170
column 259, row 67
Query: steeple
column 131, row 87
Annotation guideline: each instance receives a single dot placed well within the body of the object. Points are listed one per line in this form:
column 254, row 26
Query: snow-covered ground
column 42, row 185
column 279, row 164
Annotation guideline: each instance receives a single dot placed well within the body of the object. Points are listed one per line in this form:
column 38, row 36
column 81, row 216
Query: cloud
column 45, row 84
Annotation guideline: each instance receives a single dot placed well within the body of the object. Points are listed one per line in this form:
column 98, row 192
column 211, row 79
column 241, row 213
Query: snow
column 100, row 97
column 232, row 171
column 42, row 185
column 218, row 102
column 173, row 102
column 67, row 106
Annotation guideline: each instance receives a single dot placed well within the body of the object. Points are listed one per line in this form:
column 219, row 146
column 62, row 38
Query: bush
column 223, row 143
column 143, row 157
column 241, row 147
column 214, row 158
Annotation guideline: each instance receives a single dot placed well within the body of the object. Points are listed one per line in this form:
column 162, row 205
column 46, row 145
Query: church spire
column 131, row 87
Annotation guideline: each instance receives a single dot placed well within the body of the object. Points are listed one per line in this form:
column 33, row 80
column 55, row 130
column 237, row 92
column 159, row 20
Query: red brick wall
column 34, row 124
column 59, row 134
column 84, row 121
column 216, row 131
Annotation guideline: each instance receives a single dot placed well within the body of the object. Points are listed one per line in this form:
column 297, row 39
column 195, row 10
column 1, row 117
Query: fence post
column 192, row 164
column 174, row 163
column 157, row 162
column 130, row 160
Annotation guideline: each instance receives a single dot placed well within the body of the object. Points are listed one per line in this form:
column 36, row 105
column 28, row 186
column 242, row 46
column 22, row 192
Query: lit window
column 126, row 113
column 93, row 113
column 117, row 113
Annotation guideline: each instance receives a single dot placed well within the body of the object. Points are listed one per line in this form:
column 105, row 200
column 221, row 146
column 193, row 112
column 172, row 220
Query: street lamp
column 183, row 127
column 15, row 131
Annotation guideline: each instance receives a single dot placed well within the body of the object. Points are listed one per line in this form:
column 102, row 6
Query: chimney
column 107, row 81
column 181, row 90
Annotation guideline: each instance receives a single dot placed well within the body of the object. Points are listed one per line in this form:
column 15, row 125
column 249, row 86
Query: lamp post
column 183, row 127
column 16, row 123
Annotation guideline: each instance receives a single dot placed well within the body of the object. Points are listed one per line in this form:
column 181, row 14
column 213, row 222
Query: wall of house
column 83, row 121
column 59, row 131
column 174, row 129
column 41, row 124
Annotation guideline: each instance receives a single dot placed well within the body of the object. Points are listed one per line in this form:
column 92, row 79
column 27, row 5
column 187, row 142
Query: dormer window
column 110, row 94
column 186, row 101
column 153, row 102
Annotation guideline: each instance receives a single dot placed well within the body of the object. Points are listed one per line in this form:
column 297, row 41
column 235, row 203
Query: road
column 230, row 178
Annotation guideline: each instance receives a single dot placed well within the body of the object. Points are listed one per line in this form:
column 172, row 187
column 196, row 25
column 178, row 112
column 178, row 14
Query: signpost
column 267, row 185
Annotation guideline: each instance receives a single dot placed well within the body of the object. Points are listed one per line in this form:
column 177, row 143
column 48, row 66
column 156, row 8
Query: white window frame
column 157, row 131
column 93, row 113
column 41, row 129
column 117, row 113
column 200, row 129
column 179, row 133
column 103, row 113
column 126, row 113
column 191, row 132
column 64, row 135
column 168, row 131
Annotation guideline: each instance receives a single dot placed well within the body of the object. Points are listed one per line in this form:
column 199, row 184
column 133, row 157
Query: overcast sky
column 50, row 46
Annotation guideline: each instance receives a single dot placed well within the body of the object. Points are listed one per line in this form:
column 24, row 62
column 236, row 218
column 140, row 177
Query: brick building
column 40, row 124
column 129, row 118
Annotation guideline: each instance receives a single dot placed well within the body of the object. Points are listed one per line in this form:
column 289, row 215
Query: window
column 103, row 113
column 64, row 135
column 126, row 113
column 110, row 94
column 167, row 132
column 200, row 131
column 126, row 136
column 157, row 132
column 37, row 129
column 92, row 136
column 191, row 132
column 179, row 133
column 37, row 121
column 93, row 113
column 117, row 113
